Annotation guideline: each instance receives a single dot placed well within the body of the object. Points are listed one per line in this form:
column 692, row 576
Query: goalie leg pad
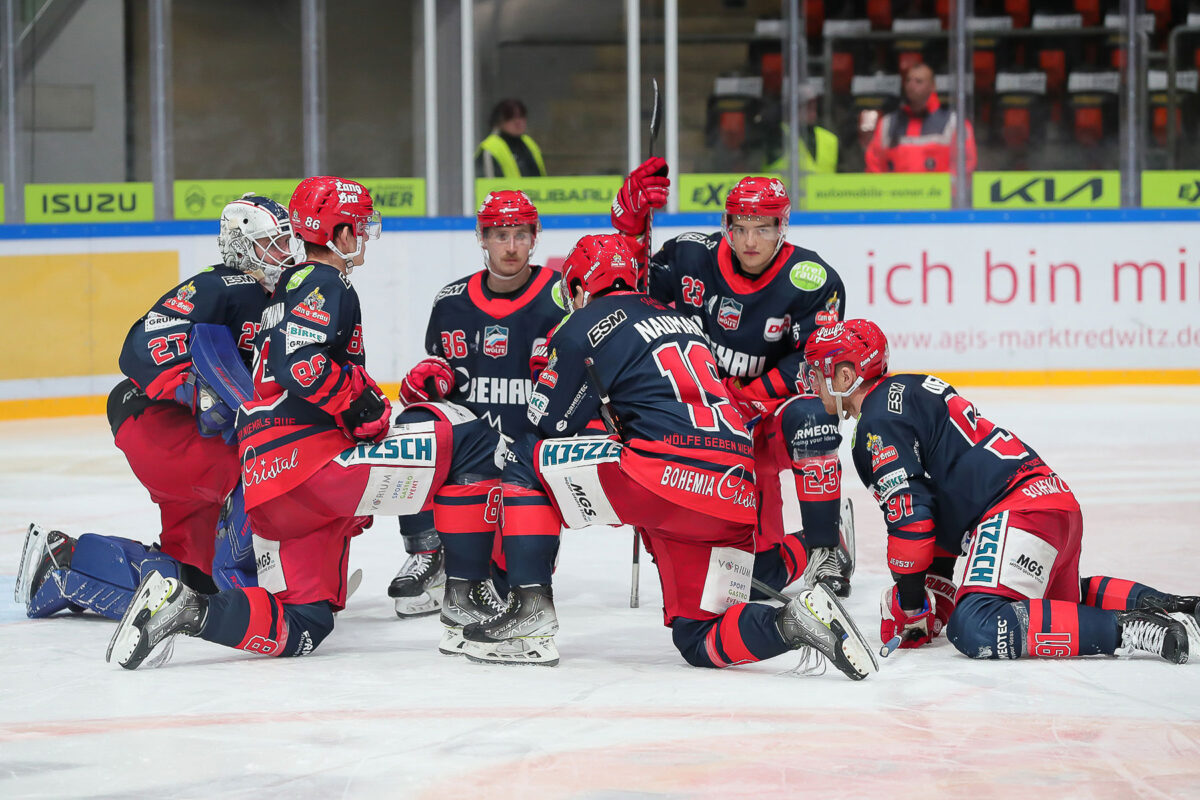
column 105, row 571
column 233, row 565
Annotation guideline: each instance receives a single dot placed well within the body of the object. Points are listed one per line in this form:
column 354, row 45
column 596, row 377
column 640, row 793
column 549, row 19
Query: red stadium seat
column 843, row 71
column 772, row 73
column 985, row 70
column 814, row 10
column 1054, row 64
column 1161, row 9
column 1019, row 11
column 909, row 59
column 880, row 14
column 1089, row 125
column 732, row 128
column 1159, row 124
column 1090, row 10
column 1014, row 127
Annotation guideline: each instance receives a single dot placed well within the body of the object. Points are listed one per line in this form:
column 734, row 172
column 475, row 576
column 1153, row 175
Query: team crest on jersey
column 880, row 454
column 729, row 315
column 776, row 327
column 311, row 308
column 829, row 315
column 495, row 341
column 181, row 302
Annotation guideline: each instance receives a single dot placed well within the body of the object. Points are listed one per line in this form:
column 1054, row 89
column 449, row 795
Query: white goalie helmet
column 256, row 238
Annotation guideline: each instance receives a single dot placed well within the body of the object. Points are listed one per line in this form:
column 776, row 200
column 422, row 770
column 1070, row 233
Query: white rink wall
column 985, row 302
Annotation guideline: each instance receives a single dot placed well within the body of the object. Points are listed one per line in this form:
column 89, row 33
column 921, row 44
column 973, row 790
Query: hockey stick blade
column 655, row 118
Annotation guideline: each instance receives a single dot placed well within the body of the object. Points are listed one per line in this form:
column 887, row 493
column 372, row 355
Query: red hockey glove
column 369, row 415
column 913, row 628
column 943, row 592
column 538, row 359
column 431, row 379
column 750, row 409
column 645, row 189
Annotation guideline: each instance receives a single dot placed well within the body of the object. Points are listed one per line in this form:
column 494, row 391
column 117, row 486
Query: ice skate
column 1154, row 632
column 523, row 634
column 419, row 585
column 1168, row 603
column 815, row 618
column 161, row 608
column 833, row 566
column 465, row 602
column 43, row 553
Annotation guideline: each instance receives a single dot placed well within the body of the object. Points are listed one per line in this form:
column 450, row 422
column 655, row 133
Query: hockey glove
column 431, row 379
column 645, row 189
column 943, row 591
column 750, row 409
column 369, row 415
column 538, row 359
column 213, row 416
column 915, row 629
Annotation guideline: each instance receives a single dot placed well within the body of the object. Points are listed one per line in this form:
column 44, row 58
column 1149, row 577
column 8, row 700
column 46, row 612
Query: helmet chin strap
column 349, row 259
column 838, row 397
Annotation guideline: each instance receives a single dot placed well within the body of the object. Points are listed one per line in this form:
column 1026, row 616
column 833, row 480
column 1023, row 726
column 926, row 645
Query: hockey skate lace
column 823, row 565
column 486, row 596
column 812, row 662
column 416, row 565
column 1143, row 635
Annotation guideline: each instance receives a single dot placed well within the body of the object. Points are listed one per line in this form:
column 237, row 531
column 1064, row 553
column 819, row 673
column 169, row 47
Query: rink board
column 980, row 298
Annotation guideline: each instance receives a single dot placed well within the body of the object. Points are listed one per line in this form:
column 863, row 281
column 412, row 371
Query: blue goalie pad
column 221, row 379
column 233, row 565
column 104, row 572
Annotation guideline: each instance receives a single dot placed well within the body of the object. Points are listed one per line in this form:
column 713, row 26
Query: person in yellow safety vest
column 818, row 148
column 509, row 152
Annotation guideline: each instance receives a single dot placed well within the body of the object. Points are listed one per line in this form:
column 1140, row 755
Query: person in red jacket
column 918, row 136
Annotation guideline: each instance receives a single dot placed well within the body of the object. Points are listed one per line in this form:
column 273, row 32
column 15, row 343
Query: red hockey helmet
column 321, row 203
column 859, row 341
column 758, row 197
column 508, row 207
column 598, row 262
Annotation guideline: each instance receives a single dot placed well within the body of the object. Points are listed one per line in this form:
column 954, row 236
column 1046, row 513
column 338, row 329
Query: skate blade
column 31, row 555
column 127, row 638
column 860, row 658
column 540, row 652
column 1191, row 645
column 453, row 643
column 422, row 605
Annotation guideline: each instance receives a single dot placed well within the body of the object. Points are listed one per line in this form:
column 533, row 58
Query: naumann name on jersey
column 653, row 328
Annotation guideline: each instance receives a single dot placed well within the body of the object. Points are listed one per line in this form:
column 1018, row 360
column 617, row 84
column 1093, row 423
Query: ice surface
column 377, row 712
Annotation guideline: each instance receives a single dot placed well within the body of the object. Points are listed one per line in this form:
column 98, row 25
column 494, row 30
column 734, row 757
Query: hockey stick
column 647, row 245
column 613, row 425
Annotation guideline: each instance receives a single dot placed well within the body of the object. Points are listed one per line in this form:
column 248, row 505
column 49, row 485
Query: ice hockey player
column 318, row 456
column 482, row 332
column 682, row 471
column 176, row 431
column 757, row 298
column 951, row 482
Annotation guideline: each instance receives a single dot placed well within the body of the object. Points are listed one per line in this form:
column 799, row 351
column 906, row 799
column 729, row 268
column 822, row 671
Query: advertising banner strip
column 579, row 194
column 1018, row 190
column 844, row 192
column 203, row 200
column 89, row 202
column 1171, row 189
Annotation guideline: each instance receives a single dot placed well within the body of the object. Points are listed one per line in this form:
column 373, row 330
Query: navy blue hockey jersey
column 933, row 464
column 156, row 354
column 488, row 339
column 683, row 438
column 757, row 325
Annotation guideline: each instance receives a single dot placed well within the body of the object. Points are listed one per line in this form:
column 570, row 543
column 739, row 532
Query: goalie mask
column 256, row 238
column 859, row 341
column 320, row 204
column 758, row 197
column 598, row 263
